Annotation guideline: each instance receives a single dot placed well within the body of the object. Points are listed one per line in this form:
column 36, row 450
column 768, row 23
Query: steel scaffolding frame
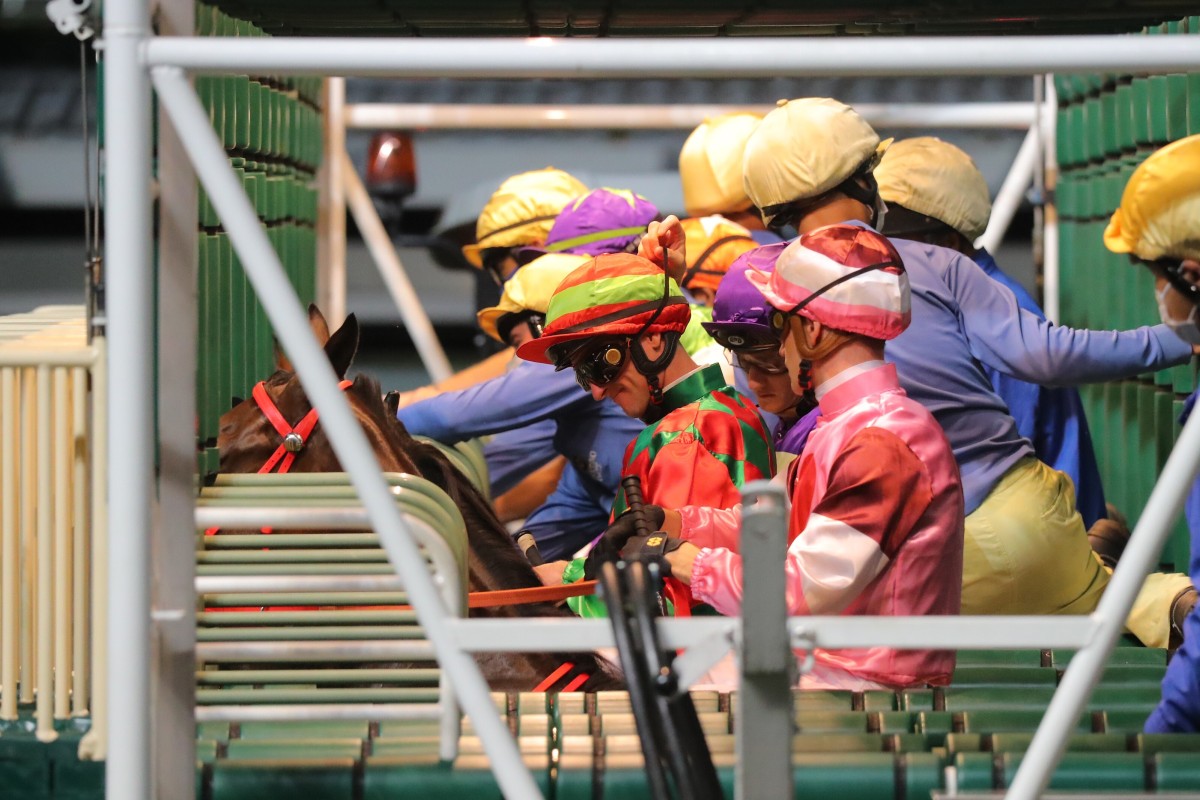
column 134, row 58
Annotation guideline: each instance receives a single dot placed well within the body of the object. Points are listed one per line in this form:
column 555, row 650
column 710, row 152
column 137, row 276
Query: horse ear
column 236, row 401
column 316, row 321
column 342, row 346
column 282, row 362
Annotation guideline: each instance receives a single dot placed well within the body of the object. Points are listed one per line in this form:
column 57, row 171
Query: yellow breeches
column 1026, row 552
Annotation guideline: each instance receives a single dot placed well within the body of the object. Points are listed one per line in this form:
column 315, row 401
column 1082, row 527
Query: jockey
column 1158, row 225
column 741, row 323
column 710, row 169
column 876, row 517
column 809, row 164
column 592, row 436
column 518, row 214
column 616, row 322
column 935, row 194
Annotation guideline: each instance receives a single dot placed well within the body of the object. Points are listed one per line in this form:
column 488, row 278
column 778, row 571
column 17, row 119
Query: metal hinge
column 71, row 17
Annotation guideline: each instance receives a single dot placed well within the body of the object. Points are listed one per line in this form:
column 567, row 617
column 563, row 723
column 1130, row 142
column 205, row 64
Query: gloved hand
column 655, row 546
column 623, row 528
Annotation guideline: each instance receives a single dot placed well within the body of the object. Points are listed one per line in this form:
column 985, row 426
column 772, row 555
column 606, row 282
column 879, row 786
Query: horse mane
column 496, row 562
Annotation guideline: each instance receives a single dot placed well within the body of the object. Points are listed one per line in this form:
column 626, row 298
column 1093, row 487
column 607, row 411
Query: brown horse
column 247, row 439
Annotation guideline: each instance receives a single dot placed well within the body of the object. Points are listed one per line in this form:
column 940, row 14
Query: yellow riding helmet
column 522, row 210
column 1159, row 215
column 805, row 148
column 712, row 245
column 710, row 165
column 530, row 289
column 935, row 178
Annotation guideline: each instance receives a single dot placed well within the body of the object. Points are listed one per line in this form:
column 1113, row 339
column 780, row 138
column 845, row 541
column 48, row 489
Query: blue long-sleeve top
column 963, row 320
column 592, row 435
column 1051, row 418
column 1179, row 710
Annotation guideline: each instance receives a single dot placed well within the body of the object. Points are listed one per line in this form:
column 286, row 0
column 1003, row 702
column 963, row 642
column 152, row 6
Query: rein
column 537, row 594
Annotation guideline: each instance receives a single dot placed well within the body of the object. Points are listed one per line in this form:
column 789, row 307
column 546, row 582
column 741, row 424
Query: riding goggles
column 765, row 359
column 597, row 364
column 504, row 326
column 1171, row 269
column 493, row 259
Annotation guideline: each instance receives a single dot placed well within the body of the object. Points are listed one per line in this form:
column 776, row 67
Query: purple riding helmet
column 601, row 221
column 742, row 322
column 741, row 315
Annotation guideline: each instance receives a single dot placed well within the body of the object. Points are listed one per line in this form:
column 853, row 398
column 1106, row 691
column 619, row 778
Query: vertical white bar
column 28, row 528
column 94, row 745
column 45, row 561
column 173, row 721
column 63, row 551
column 10, row 554
column 331, row 221
column 1050, row 274
column 127, row 247
column 79, row 543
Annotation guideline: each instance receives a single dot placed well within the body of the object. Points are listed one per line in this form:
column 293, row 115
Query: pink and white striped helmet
column 846, row 277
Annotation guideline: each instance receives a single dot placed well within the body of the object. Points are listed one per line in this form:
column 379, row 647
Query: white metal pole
column 350, row 444
column 331, row 270
column 1050, row 249
column 127, row 241
column 393, row 274
column 1140, row 556
column 717, row 57
column 513, row 116
column 1012, row 192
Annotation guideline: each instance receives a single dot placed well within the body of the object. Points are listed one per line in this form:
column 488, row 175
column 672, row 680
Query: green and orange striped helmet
column 616, row 294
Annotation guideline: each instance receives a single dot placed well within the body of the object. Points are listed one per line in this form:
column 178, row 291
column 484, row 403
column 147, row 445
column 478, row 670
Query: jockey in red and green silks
column 616, row 321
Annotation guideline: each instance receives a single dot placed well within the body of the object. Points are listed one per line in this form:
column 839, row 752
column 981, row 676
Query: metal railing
column 135, row 57
column 52, row 517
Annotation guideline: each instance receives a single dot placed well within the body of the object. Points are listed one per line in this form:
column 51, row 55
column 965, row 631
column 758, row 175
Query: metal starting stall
column 151, row 514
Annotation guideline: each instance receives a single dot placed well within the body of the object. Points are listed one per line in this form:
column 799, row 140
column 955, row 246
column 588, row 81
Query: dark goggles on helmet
column 742, row 338
column 764, row 359
column 596, row 363
column 493, row 259
column 1172, row 270
column 506, row 323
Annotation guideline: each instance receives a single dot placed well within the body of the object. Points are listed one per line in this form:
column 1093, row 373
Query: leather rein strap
column 537, row 594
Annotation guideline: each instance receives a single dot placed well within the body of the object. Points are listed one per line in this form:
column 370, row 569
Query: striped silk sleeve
column 877, row 491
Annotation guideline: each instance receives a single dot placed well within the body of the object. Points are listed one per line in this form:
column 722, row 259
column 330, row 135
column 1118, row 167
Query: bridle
column 294, row 437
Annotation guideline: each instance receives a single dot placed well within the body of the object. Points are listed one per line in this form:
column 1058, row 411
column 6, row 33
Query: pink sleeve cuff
column 716, row 579
column 711, row 527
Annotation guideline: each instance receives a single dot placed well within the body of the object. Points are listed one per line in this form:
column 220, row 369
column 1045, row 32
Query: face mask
column 1186, row 329
column 880, row 213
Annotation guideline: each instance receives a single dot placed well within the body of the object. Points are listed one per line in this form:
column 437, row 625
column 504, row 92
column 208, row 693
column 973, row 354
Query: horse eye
column 236, row 401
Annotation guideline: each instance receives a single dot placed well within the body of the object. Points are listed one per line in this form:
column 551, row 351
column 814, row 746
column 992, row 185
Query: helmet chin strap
column 650, row 368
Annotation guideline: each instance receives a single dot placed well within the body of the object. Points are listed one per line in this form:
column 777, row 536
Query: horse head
column 247, row 437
